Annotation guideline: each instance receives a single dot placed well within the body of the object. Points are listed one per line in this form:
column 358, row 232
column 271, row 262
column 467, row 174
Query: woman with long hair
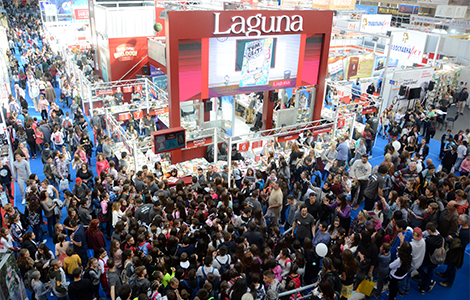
column 94, row 271
column 101, row 164
column 95, row 237
column 86, row 174
column 44, row 255
column 343, row 210
column 350, row 266
column 61, row 247
column 399, row 268
column 24, row 261
column 116, row 253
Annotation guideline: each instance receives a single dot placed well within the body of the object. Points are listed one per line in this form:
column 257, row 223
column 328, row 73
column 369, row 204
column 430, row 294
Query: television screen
column 414, row 93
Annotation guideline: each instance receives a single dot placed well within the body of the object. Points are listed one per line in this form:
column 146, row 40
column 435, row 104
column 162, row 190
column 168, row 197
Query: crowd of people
column 254, row 240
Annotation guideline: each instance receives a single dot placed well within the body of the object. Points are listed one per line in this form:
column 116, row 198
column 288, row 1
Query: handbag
column 366, row 286
column 63, row 185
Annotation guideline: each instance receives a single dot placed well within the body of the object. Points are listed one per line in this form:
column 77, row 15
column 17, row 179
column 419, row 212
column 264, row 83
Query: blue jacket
column 396, row 243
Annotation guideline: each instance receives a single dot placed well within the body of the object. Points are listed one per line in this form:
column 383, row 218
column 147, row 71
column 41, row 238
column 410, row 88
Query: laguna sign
column 257, row 24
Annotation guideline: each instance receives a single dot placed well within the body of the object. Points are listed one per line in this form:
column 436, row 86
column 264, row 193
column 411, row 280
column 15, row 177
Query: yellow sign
column 342, row 4
column 360, row 66
column 321, row 4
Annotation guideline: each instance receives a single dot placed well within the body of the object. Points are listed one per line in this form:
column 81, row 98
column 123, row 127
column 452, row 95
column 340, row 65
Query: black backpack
column 191, row 291
column 223, row 267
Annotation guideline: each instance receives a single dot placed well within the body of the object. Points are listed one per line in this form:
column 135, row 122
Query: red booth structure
column 205, row 57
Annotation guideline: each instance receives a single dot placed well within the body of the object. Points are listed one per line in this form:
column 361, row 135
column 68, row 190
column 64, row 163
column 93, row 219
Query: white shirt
column 418, row 252
column 117, row 216
column 7, row 242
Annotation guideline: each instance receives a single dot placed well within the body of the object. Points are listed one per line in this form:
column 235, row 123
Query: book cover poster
column 256, row 63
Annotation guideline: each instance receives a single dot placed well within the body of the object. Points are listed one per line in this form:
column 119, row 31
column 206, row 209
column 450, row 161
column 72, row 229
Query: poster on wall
column 359, row 66
column 335, row 67
column 408, row 47
column 159, row 78
column 375, row 23
column 451, row 11
column 379, row 64
column 256, row 62
column 412, row 78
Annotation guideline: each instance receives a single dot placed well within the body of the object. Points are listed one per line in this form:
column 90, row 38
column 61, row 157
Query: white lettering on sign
column 255, row 25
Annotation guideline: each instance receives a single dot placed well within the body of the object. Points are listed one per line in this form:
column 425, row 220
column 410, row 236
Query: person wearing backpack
column 138, row 283
column 222, row 260
column 207, row 268
column 434, row 257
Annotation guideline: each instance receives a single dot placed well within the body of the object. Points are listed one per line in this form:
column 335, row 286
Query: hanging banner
column 375, row 23
column 387, row 10
column 433, row 1
column 321, row 4
column 199, row 142
column 360, row 66
column 256, row 144
column 335, row 67
column 408, row 9
column 243, row 147
column 288, row 137
column 408, row 47
column 368, row 9
column 342, row 4
column 379, row 64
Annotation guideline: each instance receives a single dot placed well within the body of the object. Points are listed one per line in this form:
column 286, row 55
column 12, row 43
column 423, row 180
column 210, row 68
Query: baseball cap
column 417, row 233
column 78, row 180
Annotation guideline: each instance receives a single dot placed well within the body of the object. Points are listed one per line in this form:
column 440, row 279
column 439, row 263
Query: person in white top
column 117, row 213
column 418, row 250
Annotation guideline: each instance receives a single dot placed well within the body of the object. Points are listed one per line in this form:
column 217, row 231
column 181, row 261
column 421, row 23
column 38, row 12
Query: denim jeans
column 7, row 189
column 37, row 229
column 51, row 221
column 426, row 272
column 405, row 283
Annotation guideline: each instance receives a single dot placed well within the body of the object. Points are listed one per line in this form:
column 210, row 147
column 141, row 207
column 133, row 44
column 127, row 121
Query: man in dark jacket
column 455, row 255
column 253, row 236
column 139, row 284
column 449, row 219
column 428, row 268
column 449, row 159
column 80, row 289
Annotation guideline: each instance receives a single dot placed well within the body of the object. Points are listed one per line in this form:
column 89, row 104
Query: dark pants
column 37, row 229
column 393, row 288
column 7, row 188
column 32, row 146
column 429, row 135
column 451, row 271
column 361, row 186
column 51, row 221
column 83, row 256
column 44, row 114
column 369, row 203
column 426, row 272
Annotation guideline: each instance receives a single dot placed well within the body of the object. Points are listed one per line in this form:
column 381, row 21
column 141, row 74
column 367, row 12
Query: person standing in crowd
column 21, row 173
column 360, row 172
column 462, row 100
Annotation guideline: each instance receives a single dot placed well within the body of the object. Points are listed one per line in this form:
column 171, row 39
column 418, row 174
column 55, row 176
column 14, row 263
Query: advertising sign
column 50, row 10
column 379, row 64
column 159, row 78
column 342, row 4
column 408, row 9
column 65, row 7
column 42, row 3
column 81, row 14
column 408, row 47
column 168, row 139
column 433, row 1
column 375, row 23
column 199, row 142
column 124, row 54
column 360, row 66
column 459, row 2
column 451, row 11
column 321, row 4
column 387, row 10
column 368, row 9
column 335, row 67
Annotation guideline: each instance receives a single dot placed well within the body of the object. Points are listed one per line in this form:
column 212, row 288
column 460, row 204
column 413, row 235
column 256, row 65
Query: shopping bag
column 366, row 286
column 63, row 185
column 4, row 198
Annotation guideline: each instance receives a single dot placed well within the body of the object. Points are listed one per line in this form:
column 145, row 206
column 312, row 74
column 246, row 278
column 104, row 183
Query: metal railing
column 296, row 291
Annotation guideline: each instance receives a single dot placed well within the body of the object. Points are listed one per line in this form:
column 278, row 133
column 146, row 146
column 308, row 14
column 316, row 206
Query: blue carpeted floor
column 460, row 290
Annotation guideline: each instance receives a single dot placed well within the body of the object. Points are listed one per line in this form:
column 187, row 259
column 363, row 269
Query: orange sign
column 257, row 144
column 242, row 147
column 138, row 115
column 124, row 116
column 199, row 142
column 341, row 122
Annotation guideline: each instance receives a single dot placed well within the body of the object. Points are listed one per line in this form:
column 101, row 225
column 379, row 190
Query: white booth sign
column 375, row 23
column 408, row 47
column 451, row 11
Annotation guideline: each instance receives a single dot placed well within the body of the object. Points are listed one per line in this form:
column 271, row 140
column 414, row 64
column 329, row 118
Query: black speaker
column 274, row 96
column 402, row 91
column 208, row 107
column 145, row 69
column 431, row 85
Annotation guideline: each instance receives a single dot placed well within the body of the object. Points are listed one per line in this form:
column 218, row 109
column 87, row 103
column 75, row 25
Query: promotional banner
column 408, row 9
column 321, row 4
column 408, row 47
column 368, row 9
column 360, row 66
column 387, row 10
column 410, row 78
column 342, row 4
column 81, row 14
column 124, row 54
column 433, row 1
column 379, row 64
column 351, row 25
column 335, row 67
column 375, row 23
column 451, row 11
column 459, row 2
column 159, row 78
column 66, row 6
